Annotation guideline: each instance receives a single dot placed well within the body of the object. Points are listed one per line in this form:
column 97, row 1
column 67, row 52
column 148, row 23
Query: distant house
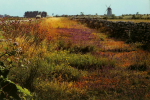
column 38, row 16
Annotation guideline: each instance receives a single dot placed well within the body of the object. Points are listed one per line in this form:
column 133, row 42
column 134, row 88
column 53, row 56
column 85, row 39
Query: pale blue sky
column 73, row 7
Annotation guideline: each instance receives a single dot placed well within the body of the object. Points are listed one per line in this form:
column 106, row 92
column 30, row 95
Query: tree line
column 31, row 14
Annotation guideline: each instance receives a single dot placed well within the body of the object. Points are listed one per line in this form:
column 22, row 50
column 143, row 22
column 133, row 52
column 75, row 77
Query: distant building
column 38, row 16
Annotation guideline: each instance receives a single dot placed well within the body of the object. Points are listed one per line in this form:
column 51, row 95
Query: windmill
column 109, row 11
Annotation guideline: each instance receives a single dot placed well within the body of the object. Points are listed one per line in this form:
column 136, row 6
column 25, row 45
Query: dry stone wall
column 129, row 31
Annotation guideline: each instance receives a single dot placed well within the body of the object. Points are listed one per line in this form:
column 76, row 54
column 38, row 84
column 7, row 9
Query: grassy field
column 61, row 59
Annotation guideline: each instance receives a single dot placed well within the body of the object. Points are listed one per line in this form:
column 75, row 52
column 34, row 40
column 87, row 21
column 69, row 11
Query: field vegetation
column 61, row 59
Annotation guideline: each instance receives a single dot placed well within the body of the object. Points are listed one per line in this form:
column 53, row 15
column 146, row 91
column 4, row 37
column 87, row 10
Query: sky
column 74, row 7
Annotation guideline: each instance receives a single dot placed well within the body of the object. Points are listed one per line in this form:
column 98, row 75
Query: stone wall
column 135, row 32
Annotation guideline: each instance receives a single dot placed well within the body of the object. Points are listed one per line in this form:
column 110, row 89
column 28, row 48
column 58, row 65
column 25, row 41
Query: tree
column 43, row 14
column 113, row 16
column 33, row 14
column 81, row 13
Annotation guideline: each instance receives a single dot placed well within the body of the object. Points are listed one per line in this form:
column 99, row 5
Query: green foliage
column 56, row 91
column 89, row 62
column 42, row 74
column 8, row 89
column 65, row 73
column 59, row 65
column 80, row 61
column 51, row 68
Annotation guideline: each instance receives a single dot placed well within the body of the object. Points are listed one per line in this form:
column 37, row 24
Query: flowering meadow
column 61, row 59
